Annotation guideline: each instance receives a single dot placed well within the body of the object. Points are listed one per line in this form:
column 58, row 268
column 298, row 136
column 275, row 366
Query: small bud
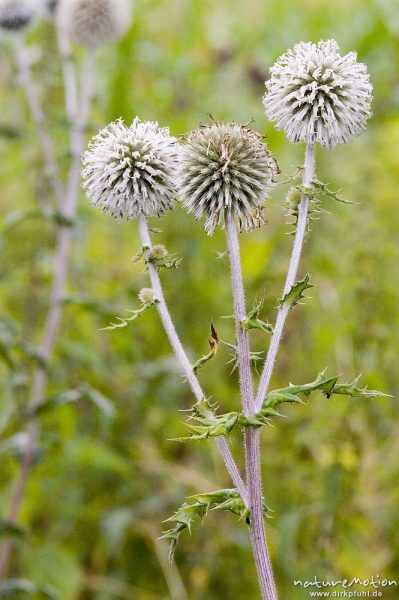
column 17, row 15
column 146, row 296
column 158, row 252
column 94, row 23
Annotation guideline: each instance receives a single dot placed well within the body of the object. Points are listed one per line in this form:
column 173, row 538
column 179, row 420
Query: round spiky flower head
column 130, row 170
column 226, row 168
column 94, row 23
column 17, row 15
column 317, row 95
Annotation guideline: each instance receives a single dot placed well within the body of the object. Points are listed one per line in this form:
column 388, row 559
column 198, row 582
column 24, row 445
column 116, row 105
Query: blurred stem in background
column 48, row 151
column 67, row 201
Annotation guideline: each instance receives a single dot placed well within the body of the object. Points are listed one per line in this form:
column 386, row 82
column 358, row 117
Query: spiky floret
column 17, row 15
column 94, row 23
column 317, row 95
column 131, row 170
column 226, row 168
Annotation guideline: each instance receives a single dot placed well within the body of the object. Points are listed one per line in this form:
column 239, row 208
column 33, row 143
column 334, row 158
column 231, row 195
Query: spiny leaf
column 196, row 507
column 352, row 389
column 214, row 344
column 296, row 293
column 205, row 423
column 252, row 321
column 292, row 392
column 170, row 261
column 326, row 191
column 254, row 357
column 124, row 321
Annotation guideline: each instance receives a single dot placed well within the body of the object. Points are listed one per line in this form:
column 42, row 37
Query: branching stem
column 252, row 435
column 181, row 355
column 303, row 214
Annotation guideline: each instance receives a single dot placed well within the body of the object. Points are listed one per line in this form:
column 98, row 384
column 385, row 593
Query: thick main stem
column 53, row 318
column 252, row 435
column 303, row 214
column 181, row 355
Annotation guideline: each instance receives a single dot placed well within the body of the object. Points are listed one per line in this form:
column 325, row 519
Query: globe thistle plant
column 129, row 171
column 17, row 15
column 317, row 95
column 94, row 23
column 226, row 168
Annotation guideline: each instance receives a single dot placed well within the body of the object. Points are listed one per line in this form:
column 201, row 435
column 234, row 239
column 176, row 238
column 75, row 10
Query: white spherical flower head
column 130, row 171
column 17, row 15
column 94, row 23
column 226, row 168
column 317, row 95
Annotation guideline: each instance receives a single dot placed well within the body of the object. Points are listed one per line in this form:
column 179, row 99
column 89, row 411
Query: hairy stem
column 252, row 435
column 303, row 214
column 182, row 356
column 37, row 113
column 53, row 317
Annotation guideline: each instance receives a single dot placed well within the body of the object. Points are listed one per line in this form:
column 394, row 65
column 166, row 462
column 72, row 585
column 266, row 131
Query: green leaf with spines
column 252, row 320
column 207, row 424
column 352, row 389
column 296, row 293
column 195, row 508
column 124, row 321
column 214, row 345
column 254, row 357
column 170, row 261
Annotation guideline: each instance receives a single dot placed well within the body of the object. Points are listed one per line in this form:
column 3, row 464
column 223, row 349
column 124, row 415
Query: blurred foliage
column 106, row 475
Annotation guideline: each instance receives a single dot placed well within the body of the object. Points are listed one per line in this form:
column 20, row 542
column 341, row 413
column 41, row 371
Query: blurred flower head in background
column 51, row 6
column 226, row 168
column 317, row 95
column 17, row 15
column 94, row 23
column 131, row 170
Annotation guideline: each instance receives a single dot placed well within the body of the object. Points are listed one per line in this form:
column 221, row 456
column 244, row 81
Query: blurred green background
column 107, row 475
